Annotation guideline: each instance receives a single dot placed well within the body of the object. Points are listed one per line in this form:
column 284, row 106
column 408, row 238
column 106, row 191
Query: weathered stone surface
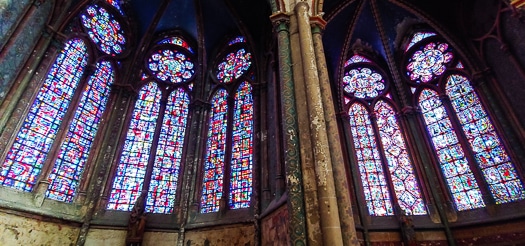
column 275, row 228
column 227, row 235
column 17, row 230
column 98, row 237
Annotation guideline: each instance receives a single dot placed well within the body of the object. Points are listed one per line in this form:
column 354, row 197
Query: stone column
column 339, row 171
column 328, row 208
column 294, row 180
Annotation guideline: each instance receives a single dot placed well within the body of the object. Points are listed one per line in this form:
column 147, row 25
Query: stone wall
column 231, row 235
column 275, row 228
column 18, row 230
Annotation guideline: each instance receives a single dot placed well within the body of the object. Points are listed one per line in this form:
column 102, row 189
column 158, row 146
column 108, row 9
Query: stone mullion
column 328, row 207
column 334, row 141
column 297, row 225
column 96, row 198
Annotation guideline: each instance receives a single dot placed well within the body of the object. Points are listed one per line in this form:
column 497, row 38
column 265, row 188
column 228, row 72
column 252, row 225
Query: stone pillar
column 334, row 141
column 294, row 180
column 328, row 208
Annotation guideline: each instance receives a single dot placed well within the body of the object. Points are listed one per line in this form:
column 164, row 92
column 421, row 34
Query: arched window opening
column 152, row 157
column 26, row 157
column 228, row 160
column 75, row 148
column 470, row 152
column 386, row 170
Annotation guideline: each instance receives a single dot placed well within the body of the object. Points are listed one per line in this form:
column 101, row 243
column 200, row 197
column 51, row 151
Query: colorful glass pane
column 356, row 59
column 177, row 41
column 164, row 179
column 418, row 37
column 454, row 164
column 429, row 61
column 239, row 39
column 234, row 65
column 24, row 160
column 405, row 183
column 116, row 5
column 242, row 151
column 363, row 82
column 489, row 152
column 74, row 150
column 215, row 153
column 131, row 169
column 171, row 66
column 104, row 30
column 370, row 168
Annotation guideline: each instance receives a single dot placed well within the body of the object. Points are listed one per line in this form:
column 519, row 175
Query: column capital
column 278, row 19
column 318, row 23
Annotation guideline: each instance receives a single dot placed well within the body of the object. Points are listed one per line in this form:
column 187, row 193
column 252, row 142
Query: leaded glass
column 234, row 65
column 489, row 152
column 131, row 169
column 418, row 37
column 215, row 153
column 239, row 39
column 104, row 30
column 171, row 66
column 405, row 183
column 177, row 41
column 429, row 61
column 116, row 5
column 74, row 150
column 454, row 164
column 370, row 168
column 356, row 59
column 242, row 141
column 363, row 82
column 164, row 179
column 24, row 160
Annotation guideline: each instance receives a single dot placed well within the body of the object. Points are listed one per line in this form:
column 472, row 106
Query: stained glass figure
column 429, row 61
column 164, row 179
column 24, row 160
column 171, row 66
column 131, row 169
column 239, row 39
column 373, row 178
column 489, row 152
column 74, row 150
column 406, row 186
column 356, row 59
column 363, row 82
column 104, row 30
column 454, row 164
column 177, row 41
column 212, row 188
column 419, row 36
column 234, row 65
column 242, row 149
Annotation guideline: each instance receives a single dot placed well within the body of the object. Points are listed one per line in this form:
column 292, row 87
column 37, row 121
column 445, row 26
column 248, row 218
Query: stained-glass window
column 164, row 179
column 489, row 152
column 74, row 150
column 215, row 153
column 401, row 172
column 452, row 159
column 418, row 37
column 104, row 30
column 177, row 41
column 116, row 4
column 242, row 141
column 356, row 59
column 239, row 39
column 171, row 66
column 373, row 178
column 131, row 169
column 234, row 65
column 429, row 61
column 33, row 142
column 363, row 82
